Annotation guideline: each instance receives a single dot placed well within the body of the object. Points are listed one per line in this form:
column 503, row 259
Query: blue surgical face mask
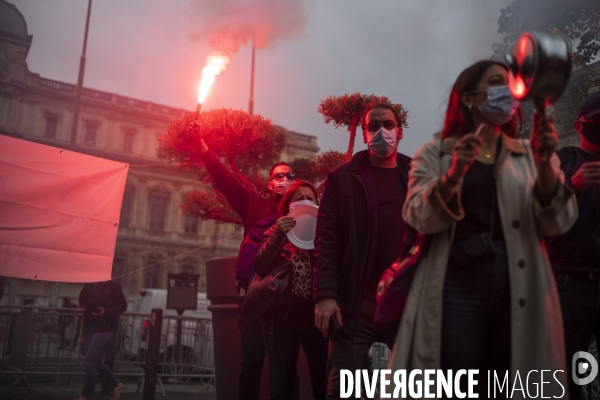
column 500, row 105
column 383, row 143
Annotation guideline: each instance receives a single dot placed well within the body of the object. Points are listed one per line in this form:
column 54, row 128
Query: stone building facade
column 125, row 129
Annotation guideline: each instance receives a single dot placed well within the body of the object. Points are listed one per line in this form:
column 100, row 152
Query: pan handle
column 540, row 109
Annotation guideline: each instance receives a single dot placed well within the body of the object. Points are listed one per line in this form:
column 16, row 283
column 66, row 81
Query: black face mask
column 591, row 132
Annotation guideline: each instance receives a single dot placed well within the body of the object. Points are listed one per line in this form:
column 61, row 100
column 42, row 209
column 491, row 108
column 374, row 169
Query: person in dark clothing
column 359, row 234
column 252, row 208
column 575, row 255
column 292, row 323
column 104, row 302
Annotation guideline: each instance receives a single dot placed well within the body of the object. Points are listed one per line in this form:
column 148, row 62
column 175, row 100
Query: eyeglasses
column 389, row 125
column 279, row 176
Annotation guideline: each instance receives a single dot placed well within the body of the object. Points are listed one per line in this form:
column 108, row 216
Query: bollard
column 152, row 354
column 224, row 300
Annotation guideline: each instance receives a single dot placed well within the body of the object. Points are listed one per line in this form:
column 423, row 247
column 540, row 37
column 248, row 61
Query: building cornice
column 114, row 156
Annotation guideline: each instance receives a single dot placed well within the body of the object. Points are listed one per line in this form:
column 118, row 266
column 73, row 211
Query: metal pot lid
column 539, row 66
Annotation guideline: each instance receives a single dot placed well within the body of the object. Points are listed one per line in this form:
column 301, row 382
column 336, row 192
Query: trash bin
column 224, row 302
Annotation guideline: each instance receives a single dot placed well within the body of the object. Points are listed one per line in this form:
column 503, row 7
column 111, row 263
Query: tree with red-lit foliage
column 347, row 111
column 578, row 19
column 248, row 144
column 304, row 169
column 315, row 171
column 325, row 162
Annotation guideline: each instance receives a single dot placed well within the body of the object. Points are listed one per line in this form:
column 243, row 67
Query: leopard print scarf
column 301, row 272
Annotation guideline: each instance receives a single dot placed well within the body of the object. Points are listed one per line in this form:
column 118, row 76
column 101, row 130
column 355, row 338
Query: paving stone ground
column 51, row 390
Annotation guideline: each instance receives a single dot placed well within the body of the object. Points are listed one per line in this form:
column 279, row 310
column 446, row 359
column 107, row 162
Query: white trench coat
column 536, row 321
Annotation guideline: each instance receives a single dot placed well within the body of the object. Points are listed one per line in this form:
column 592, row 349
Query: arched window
column 119, row 269
column 158, row 210
column 190, row 224
column 51, row 126
column 152, row 274
column 189, row 265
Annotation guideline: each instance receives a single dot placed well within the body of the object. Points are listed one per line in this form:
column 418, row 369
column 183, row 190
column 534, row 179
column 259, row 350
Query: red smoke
column 229, row 24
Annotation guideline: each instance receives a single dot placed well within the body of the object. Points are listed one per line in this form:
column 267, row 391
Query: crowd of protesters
column 509, row 281
column 487, row 294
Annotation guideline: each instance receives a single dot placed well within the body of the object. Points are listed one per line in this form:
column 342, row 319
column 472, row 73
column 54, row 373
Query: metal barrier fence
column 379, row 356
column 43, row 341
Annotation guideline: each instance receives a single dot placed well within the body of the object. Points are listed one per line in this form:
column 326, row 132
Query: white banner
column 59, row 212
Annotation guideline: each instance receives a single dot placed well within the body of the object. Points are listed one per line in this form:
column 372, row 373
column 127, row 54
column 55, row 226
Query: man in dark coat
column 575, row 255
column 359, row 234
column 252, row 208
column 104, row 302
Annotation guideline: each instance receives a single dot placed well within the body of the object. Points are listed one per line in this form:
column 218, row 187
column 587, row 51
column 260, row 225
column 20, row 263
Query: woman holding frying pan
column 483, row 296
column 292, row 323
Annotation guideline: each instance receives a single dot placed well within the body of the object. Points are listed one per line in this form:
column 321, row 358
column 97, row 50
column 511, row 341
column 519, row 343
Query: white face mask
column 296, row 204
column 280, row 187
column 383, row 143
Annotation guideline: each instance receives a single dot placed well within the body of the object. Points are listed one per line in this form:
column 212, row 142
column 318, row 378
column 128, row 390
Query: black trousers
column 253, row 357
column 354, row 354
column 476, row 319
column 283, row 340
column 580, row 304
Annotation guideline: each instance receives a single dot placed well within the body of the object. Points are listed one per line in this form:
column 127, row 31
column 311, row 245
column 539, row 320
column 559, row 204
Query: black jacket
column 347, row 235
column 272, row 253
column 578, row 250
column 247, row 203
column 108, row 296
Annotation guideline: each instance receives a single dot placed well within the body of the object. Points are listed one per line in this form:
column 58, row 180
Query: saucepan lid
column 539, row 66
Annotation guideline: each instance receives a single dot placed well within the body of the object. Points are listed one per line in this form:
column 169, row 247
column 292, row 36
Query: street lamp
column 80, row 79
column 251, row 105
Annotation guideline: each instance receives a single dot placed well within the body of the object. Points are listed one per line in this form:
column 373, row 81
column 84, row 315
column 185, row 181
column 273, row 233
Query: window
column 119, row 268
column 190, row 224
column 125, row 208
column 189, row 269
column 151, row 274
column 202, row 273
column 51, row 126
column 158, row 206
column 128, row 141
column 90, row 134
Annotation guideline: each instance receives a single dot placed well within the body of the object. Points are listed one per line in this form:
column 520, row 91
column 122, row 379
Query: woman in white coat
column 483, row 296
